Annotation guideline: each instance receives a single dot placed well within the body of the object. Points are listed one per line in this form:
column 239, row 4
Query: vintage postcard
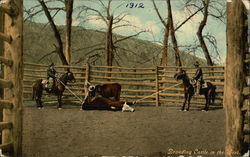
column 124, row 78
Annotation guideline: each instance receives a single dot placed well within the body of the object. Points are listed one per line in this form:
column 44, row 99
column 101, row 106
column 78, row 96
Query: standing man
column 51, row 76
column 198, row 77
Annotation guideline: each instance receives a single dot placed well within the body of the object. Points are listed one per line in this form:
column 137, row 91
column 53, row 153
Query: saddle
column 49, row 87
column 45, row 83
column 193, row 82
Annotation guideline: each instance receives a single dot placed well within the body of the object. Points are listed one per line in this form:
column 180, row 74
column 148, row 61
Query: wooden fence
column 11, row 102
column 137, row 83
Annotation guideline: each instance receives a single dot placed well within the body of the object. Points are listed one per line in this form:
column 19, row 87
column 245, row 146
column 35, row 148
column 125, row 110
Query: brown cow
column 109, row 90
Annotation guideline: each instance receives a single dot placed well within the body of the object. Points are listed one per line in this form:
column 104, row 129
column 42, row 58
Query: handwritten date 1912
column 135, row 5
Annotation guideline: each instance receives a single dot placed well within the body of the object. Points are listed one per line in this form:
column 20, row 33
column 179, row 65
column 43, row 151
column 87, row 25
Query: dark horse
column 92, row 102
column 189, row 91
column 107, row 90
column 58, row 90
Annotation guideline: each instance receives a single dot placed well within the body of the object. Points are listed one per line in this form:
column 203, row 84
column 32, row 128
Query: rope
column 71, row 91
column 134, row 101
column 156, row 92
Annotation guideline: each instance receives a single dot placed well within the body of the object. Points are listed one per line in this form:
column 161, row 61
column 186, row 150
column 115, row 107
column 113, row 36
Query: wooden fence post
column 156, row 86
column 14, row 51
column 86, row 82
column 234, row 76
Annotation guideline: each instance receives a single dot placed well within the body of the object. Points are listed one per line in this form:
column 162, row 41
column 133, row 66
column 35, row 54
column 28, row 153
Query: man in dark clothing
column 198, row 77
column 51, row 73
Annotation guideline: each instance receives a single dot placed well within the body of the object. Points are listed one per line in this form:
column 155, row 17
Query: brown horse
column 107, row 90
column 92, row 102
column 189, row 91
column 58, row 90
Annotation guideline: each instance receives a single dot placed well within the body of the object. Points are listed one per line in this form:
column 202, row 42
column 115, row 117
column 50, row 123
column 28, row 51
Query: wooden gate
column 11, row 102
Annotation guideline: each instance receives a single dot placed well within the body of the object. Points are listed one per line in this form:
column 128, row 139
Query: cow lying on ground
column 102, row 103
column 94, row 102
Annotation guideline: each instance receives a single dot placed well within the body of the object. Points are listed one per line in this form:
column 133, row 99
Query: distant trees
column 113, row 21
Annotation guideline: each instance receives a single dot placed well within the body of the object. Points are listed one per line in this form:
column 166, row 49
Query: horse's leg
column 207, row 101
column 189, row 98
column 210, row 96
column 183, row 106
column 213, row 93
column 59, row 99
column 38, row 98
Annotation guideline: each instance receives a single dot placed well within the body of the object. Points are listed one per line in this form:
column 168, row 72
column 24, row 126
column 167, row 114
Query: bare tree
column 210, row 8
column 63, row 52
column 164, row 58
column 199, row 33
column 169, row 26
column 173, row 38
column 59, row 48
column 112, row 22
column 69, row 10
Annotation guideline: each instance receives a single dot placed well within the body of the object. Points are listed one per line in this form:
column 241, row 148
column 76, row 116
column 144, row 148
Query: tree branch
column 188, row 19
column 128, row 37
column 159, row 15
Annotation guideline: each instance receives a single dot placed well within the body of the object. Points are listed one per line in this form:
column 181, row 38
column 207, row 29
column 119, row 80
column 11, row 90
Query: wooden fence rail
column 136, row 83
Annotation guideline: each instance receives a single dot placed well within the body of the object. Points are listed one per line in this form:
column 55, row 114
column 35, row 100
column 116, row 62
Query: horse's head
column 180, row 75
column 70, row 76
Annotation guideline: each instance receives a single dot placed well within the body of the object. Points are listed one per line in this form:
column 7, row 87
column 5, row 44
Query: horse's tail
column 34, row 88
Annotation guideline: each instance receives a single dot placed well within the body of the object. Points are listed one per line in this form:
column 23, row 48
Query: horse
column 107, row 90
column 59, row 87
column 189, row 90
column 92, row 102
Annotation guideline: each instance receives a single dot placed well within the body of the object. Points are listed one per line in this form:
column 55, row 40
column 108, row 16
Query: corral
column 149, row 131
column 149, row 86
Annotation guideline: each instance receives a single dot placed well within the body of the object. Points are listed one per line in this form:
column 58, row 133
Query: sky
column 144, row 19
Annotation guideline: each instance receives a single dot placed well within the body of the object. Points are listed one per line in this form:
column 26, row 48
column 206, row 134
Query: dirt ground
column 149, row 131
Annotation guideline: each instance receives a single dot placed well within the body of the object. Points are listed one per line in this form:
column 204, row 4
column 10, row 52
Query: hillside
column 39, row 40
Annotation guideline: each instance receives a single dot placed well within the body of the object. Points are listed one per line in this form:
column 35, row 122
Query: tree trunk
column 234, row 76
column 56, row 33
column 173, row 38
column 69, row 10
column 199, row 33
column 109, row 42
column 164, row 58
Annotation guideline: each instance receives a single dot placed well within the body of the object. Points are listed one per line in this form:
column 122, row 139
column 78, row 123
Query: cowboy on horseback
column 51, row 76
column 198, row 78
